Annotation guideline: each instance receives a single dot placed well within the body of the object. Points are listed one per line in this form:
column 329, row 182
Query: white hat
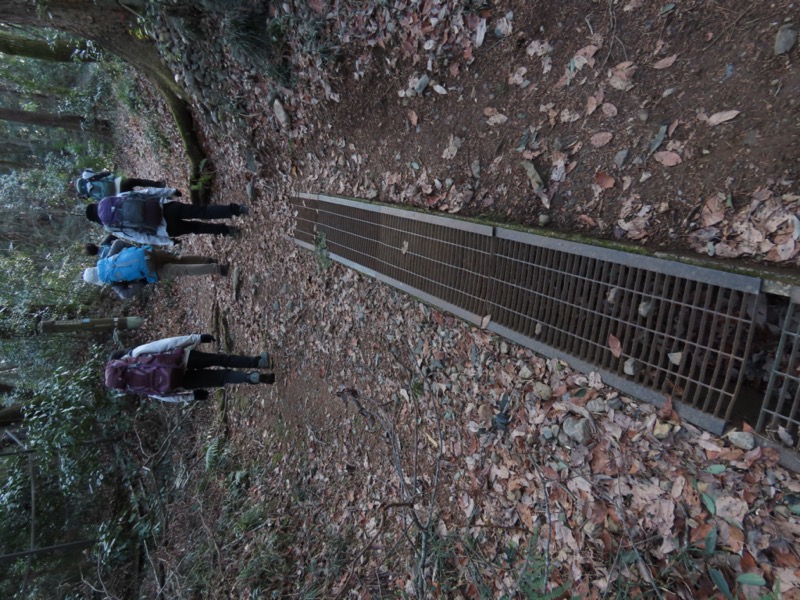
column 90, row 275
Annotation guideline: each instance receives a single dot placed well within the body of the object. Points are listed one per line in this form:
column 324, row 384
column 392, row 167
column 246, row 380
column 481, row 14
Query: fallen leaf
column 621, row 75
column 568, row 116
column 785, row 437
column 673, row 126
column 452, row 148
column 538, row 48
column 440, row 90
column 480, row 33
column 591, row 105
column 609, row 109
column 675, row 357
column 732, row 508
column 721, row 117
column 495, row 117
column 604, row 181
column 598, row 140
column 586, row 219
column 559, row 172
column 667, row 158
column 713, row 210
column 533, row 174
column 413, row 118
column 485, row 321
column 665, row 63
column 614, row 345
column 518, row 77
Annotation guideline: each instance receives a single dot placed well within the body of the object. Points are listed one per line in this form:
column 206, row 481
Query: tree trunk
column 69, row 122
column 11, row 415
column 111, row 25
column 60, row 51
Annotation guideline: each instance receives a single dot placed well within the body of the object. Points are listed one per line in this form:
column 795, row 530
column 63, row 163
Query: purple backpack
column 132, row 210
column 151, row 374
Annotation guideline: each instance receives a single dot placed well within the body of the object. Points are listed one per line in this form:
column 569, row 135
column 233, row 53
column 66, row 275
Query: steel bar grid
column 684, row 332
column 685, row 339
column 781, row 407
column 443, row 262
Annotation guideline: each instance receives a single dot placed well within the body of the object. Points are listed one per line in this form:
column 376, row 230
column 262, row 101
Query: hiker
column 105, row 183
column 150, row 216
column 172, row 370
column 127, row 269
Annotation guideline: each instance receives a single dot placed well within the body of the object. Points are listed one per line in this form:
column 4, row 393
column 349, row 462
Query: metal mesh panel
column 682, row 331
column 684, row 338
column 781, row 407
column 305, row 220
column 442, row 261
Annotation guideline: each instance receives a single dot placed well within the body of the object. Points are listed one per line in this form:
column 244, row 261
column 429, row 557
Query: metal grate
column 683, row 331
column 781, row 407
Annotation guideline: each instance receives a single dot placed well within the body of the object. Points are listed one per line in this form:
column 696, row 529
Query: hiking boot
column 233, row 231
column 224, row 270
column 264, row 361
column 268, row 378
column 161, row 184
column 240, row 210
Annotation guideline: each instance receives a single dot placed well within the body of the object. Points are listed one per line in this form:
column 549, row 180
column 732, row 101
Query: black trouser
column 176, row 214
column 128, row 183
column 199, row 376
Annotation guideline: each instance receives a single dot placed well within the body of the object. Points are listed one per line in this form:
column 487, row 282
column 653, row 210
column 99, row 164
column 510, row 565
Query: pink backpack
column 147, row 373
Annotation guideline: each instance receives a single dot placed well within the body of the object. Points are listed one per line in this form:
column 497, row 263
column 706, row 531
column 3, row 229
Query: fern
column 212, row 453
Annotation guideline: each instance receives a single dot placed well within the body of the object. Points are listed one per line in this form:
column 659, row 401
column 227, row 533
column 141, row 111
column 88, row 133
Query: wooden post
column 93, row 324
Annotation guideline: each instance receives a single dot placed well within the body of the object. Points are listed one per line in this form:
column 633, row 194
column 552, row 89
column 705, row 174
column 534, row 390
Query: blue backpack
column 128, row 265
column 97, row 189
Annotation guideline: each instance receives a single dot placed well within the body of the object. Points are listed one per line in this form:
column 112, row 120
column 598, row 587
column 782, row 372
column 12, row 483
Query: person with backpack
column 172, row 370
column 105, row 183
column 151, row 217
column 127, row 269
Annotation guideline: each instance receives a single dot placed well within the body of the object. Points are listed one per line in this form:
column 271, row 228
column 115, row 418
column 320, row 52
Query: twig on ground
column 209, row 532
column 612, row 21
column 357, row 557
column 729, row 29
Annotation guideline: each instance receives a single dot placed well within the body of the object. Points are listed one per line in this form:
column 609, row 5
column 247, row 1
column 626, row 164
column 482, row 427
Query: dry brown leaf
column 598, row 140
column 621, row 75
column 713, row 210
column 665, row 63
column 667, row 158
column 609, row 109
column 591, row 105
column 603, row 180
column 721, row 117
column 413, row 118
column 586, row 219
column 614, row 345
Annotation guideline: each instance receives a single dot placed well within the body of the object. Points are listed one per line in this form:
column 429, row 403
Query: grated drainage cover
column 651, row 327
column 780, row 412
